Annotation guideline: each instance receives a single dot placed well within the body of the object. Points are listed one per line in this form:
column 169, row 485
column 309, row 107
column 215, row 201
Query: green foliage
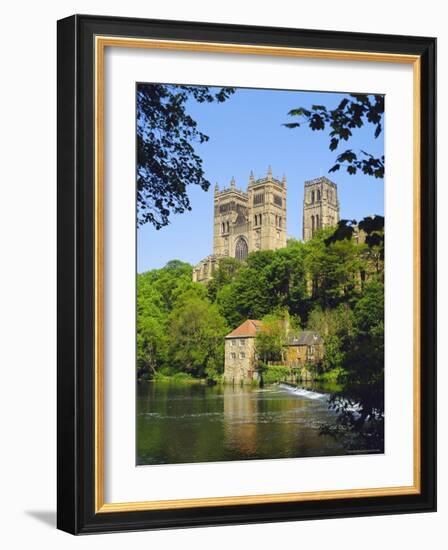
column 269, row 280
column 271, row 338
column 226, row 272
column 166, row 298
column 353, row 112
column 334, row 269
column 179, row 377
column 273, row 374
column 167, row 162
column 365, row 361
column 197, row 330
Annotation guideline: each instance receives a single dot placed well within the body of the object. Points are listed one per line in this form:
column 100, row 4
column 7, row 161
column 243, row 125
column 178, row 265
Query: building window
column 258, row 199
column 312, row 225
column 278, row 200
column 312, row 196
column 228, row 227
column 233, row 355
column 241, row 249
column 242, row 342
column 318, row 194
column 232, row 342
column 242, row 355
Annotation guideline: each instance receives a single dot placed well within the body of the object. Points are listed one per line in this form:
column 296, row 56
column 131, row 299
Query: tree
column 247, row 297
column 336, row 328
column 366, row 358
column 151, row 323
column 158, row 292
column 225, row 273
column 360, row 407
column 271, row 338
column 352, row 112
column 166, row 159
column 334, row 269
column 371, row 230
column 268, row 280
column 196, row 332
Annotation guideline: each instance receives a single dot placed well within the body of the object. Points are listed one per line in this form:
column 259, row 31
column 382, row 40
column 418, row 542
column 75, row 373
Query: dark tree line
column 167, row 162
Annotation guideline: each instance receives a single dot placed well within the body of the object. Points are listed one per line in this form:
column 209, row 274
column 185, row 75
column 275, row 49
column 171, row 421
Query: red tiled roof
column 248, row 329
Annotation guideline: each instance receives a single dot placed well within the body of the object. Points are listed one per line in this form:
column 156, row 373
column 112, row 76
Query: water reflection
column 182, row 423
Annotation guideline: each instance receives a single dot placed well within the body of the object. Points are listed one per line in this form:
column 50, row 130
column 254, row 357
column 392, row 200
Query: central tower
column 320, row 206
column 248, row 221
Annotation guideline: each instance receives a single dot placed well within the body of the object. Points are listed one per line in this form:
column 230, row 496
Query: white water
column 302, row 392
column 309, row 394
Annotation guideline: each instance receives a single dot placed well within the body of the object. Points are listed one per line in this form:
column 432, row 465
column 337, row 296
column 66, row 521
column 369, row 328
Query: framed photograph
column 246, row 274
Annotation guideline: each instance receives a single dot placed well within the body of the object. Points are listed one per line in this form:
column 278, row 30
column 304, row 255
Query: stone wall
column 239, row 362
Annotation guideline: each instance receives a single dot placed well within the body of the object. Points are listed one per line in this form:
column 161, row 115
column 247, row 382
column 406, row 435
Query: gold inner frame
column 101, row 42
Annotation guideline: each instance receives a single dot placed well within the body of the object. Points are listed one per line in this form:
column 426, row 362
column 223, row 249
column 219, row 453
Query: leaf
column 343, row 104
column 333, row 144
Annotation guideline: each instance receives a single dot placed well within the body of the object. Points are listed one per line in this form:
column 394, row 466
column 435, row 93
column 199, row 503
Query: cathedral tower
column 246, row 221
column 320, row 206
column 267, row 212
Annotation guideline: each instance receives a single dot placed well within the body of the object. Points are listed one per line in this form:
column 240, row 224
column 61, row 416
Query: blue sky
column 246, row 133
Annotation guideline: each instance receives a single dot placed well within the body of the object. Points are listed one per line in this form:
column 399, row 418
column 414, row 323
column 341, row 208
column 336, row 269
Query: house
column 305, row 347
column 240, row 361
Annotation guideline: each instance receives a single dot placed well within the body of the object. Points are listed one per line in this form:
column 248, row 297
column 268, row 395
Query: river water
column 183, row 423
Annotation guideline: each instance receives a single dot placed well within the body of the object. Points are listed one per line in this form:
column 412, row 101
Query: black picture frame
column 76, row 286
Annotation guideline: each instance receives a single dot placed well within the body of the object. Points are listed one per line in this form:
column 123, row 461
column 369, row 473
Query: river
column 183, row 423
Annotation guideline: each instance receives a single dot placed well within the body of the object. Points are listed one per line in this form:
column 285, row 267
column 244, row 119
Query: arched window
column 223, row 227
column 260, row 219
column 318, row 194
column 241, row 249
column 317, row 221
column 228, row 227
column 312, row 225
column 312, row 196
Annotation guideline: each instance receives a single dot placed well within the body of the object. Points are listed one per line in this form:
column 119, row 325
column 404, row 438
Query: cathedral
column 255, row 219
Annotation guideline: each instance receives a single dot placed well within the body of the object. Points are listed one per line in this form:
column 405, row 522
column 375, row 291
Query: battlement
column 252, row 183
column 320, row 180
column 265, row 180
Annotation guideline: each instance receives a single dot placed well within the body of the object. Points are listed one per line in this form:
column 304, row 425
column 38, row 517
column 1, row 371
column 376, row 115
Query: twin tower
column 247, row 221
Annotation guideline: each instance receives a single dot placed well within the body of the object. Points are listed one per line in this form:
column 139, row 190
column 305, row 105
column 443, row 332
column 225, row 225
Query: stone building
column 240, row 360
column 304, row 348
column 246, row 221
column 320, row 206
